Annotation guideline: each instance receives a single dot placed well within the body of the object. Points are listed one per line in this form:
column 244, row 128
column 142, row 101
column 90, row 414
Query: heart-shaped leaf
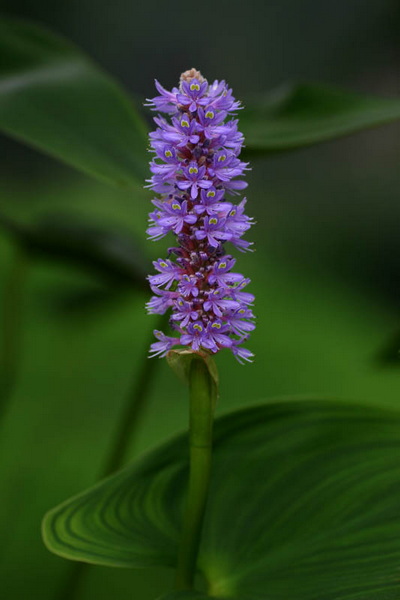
column 301, row 115
column 54, row 98
column 304, row 503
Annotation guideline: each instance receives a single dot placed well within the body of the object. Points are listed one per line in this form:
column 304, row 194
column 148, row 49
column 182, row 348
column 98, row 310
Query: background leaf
column 54, row 98
column 184, row 596
column 105, row 252
column 312, row 488
column 192, row 595
column 304, row 114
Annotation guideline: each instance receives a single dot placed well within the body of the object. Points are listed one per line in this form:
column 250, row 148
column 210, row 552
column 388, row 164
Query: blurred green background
column 325, row 271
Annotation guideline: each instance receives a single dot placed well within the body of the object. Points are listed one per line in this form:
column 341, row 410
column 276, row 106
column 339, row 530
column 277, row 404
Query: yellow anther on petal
column 168, row 153
column 213, row 221
column 209, row 114
column 176, row 206
column 184, row 123
column 210, row 194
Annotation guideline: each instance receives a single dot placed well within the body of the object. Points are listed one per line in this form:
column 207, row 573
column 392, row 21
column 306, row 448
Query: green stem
column 133, row 410
column 129, row 420
column 11, row 321
column 202, row 403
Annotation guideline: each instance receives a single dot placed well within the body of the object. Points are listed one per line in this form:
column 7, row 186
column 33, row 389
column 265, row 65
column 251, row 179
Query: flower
column 195, row 165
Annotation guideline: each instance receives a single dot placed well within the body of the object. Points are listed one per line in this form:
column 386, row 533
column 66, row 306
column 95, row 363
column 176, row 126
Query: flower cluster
column 195, row 165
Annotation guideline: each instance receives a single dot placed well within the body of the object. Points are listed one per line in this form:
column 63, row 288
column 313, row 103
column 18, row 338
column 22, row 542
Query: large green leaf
column 301, row 115
column 304, row 501
column 54, row 98
column 67, row 238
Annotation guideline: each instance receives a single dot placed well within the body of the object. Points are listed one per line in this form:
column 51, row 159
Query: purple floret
column 195, row 165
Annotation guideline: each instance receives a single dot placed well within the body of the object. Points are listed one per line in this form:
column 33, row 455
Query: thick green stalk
column 203, row 395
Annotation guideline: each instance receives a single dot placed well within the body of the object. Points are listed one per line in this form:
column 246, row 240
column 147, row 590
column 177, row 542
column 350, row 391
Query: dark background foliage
column 325, row 272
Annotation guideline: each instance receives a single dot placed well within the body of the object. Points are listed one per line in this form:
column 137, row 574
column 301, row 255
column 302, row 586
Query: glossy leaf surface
column 55, row 99
column 302, row 115
column 305, row 500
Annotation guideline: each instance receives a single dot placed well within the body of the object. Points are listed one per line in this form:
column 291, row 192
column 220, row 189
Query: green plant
column 304, row 495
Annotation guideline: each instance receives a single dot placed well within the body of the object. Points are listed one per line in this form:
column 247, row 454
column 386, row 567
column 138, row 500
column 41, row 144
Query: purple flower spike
column 195, row 165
